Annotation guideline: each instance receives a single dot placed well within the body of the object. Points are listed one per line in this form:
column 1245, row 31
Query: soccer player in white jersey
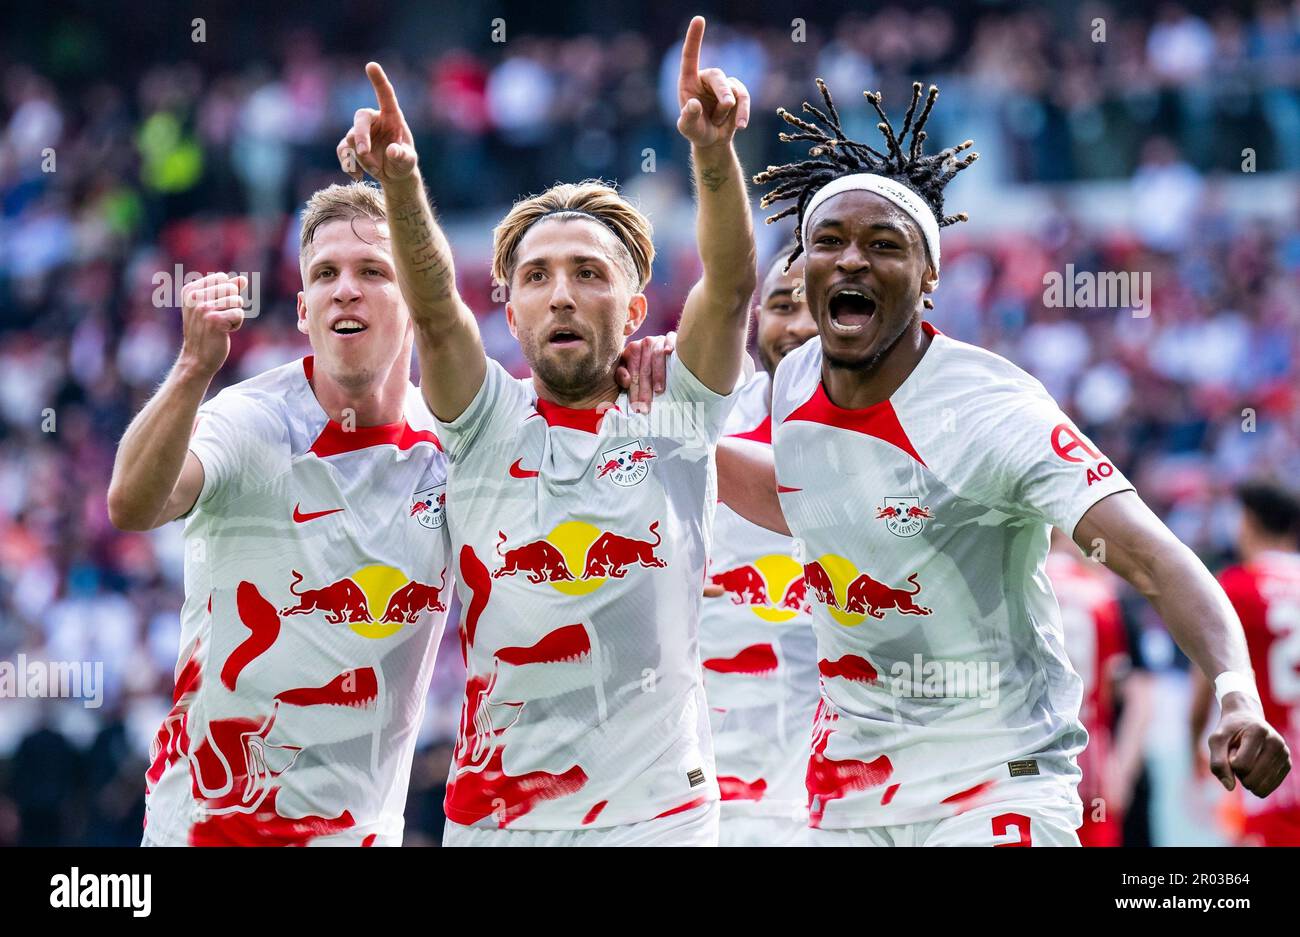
column 579, row 531
column 756, row 642
column 316, row 570
column 921, row 477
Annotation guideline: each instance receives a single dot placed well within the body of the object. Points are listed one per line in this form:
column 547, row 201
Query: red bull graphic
column 577, row 545
column 757, row 584
column 172, row 743
column 745, row 584
column 540, row 560
column 356, row 688
column 258, row 615
column 848, row 667
column 738, row 789
column 354, row 600
column 831, row 576
column 414, row 599
column 611, row 554
column 866, row 595
column 830, row 778
column 233, row 771
column 480, row 787
column 567, row 645
column 969, row 798
column 819, row 581
column 904, row 516
column 757, row 660
column 341, row 601
column 796, row 596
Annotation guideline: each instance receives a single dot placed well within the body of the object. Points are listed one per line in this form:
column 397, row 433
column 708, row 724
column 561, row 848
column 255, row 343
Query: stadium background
column 1122, row 155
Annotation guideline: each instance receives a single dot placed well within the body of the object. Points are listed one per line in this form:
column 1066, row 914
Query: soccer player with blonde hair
column 579, row 527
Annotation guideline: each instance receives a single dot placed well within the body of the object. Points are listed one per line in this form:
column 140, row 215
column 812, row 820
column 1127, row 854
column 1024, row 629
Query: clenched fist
column 1244, row 747
column 211, row 308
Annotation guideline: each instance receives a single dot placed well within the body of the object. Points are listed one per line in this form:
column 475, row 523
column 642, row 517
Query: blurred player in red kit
column 1264, row 588
column 1097, row 646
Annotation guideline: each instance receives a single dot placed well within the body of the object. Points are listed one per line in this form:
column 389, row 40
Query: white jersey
column 758, row 650
column 924, row 524
column 581, row 540
column 315, row 595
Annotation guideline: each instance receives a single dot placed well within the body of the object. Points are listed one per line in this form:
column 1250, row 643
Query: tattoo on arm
column 428, row 259
column 712, row 179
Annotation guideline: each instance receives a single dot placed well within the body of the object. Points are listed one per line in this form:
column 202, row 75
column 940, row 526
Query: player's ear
column 302, row 312
column 637, row 307
column 510, row 319
column 930, row 281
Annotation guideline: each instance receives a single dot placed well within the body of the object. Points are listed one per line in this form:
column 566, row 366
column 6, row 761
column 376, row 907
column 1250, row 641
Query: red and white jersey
column 316, row 586
column 1096, row 645
column 923, row 525
column 758, row 650
column 1266, row 595
column 581, row 540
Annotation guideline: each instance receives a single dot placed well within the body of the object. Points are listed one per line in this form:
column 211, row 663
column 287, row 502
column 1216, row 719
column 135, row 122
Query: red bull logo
column 354, row 600
column 831, row 577
column 772, row 586
column 904, row 516
column 576, row 546
column 540, row 561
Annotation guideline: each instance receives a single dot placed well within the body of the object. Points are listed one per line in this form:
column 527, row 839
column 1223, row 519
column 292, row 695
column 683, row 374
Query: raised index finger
column 691, row 49
column 384, row 92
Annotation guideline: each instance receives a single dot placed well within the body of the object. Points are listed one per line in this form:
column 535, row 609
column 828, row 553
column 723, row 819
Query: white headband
column 896, row 192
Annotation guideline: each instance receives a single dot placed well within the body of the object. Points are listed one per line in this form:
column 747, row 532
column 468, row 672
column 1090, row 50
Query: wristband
column 1232, row 682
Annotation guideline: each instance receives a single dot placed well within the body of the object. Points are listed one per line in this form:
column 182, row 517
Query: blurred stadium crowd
column 187, row 153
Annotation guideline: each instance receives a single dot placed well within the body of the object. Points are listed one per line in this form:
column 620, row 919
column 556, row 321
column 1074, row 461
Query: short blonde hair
column 340, row 202
column 591, row 199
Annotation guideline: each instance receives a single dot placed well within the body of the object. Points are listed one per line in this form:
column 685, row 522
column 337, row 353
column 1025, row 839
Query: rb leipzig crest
column 429, row 506
column 904, row 516
column 625, row 465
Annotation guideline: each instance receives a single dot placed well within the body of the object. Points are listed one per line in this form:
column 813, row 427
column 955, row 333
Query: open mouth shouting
column 348, row 326
column 564, row 337
column 850, row 309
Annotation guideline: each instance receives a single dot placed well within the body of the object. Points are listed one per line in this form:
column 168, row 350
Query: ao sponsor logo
column 104, row 890
column 1069, row 443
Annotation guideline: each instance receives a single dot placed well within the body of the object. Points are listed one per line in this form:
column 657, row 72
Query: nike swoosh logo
column 786, row 489
column 518, row 471
column 301, row 518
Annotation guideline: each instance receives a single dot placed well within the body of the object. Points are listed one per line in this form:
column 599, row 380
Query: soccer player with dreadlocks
column 921, row 477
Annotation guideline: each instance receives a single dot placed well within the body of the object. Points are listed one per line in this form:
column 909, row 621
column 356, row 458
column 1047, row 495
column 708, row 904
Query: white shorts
column 1004, row 824
column 695, row 827
column 762, row 831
